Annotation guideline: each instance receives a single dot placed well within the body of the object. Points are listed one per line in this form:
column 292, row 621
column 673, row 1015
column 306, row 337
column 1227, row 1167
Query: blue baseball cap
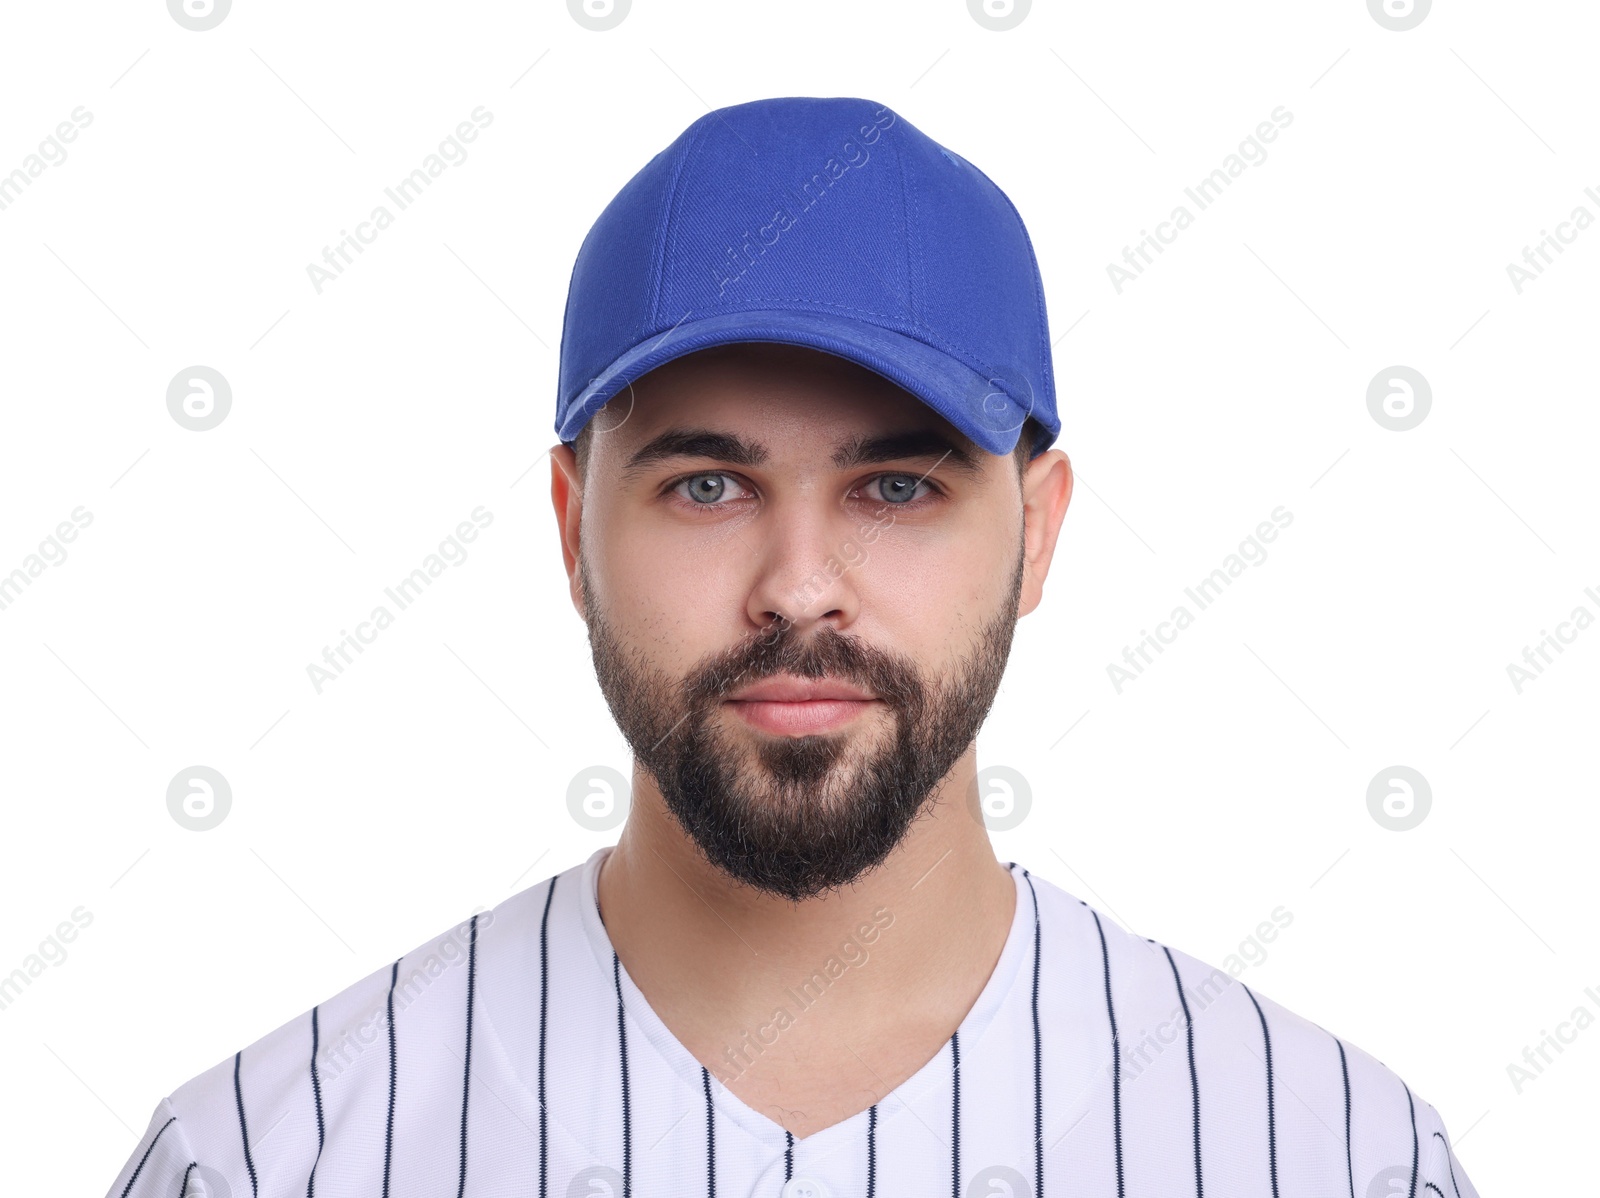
column 827, row 222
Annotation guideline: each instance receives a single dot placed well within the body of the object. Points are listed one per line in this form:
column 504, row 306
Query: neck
column 905, row 949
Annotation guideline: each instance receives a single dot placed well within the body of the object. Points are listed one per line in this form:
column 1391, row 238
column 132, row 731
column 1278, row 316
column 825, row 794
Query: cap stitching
column 1046, row 363
column 667, row 218
column 915, row 277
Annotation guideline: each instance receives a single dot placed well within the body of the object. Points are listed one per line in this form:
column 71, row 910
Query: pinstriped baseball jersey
column 513, row 1055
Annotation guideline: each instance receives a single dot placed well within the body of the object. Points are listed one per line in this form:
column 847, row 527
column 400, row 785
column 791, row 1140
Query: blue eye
column 898, row 488
column 717, row 490
column 705, row 488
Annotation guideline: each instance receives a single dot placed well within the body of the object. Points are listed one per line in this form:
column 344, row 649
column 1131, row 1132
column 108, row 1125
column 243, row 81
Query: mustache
column 826, row 653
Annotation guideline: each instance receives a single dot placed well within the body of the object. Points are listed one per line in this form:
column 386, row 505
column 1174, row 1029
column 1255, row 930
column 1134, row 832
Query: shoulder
column 1263, row 1086
column 267, row 1109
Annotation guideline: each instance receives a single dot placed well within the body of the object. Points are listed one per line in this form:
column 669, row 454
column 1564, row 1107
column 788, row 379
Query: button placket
column 805, row 1187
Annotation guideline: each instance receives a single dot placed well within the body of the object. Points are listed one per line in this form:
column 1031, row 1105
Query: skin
column 713, row 956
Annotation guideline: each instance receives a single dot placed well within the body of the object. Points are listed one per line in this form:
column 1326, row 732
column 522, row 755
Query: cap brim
column 986, row 408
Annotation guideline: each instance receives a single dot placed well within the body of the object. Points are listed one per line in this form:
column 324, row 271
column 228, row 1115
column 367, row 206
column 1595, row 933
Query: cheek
column 681, row 576
column 931, row 591
column 674, row 605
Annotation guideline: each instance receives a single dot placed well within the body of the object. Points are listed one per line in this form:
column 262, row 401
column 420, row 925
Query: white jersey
column 514, row 1056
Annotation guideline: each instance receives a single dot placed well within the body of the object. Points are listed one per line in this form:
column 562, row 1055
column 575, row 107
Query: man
column 804, row 493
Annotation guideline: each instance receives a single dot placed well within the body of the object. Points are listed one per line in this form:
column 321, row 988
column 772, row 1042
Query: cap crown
column 834, row 206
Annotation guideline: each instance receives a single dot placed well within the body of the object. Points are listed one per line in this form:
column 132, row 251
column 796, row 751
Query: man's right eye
column 705, row 489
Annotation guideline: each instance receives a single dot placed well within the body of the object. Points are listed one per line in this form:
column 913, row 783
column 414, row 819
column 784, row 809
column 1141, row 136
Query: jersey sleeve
column 1442, row 1174
column 161, row 1161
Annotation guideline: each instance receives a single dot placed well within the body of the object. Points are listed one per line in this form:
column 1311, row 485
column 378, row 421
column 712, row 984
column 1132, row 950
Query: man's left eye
column 899, row 488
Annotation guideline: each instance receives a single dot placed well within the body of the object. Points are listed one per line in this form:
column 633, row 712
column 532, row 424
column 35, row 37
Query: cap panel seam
column 1046, row 366
column 919, row 280
column 666, row 219
column 916, row 280
column 913, row 256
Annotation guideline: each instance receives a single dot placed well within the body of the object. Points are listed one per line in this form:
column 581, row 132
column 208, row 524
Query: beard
column 798, row 816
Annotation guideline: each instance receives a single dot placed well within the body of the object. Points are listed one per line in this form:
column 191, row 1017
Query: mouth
column 789, row 706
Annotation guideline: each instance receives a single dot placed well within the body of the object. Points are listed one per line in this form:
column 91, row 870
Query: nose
column 805, row 568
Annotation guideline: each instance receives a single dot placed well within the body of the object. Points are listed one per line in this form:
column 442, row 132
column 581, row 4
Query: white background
column 370, row 419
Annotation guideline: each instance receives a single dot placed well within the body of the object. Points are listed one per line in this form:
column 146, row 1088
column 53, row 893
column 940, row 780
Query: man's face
column 774, row 552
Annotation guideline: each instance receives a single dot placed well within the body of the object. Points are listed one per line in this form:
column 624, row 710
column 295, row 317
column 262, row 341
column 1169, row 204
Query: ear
column 1046, row 491
column 566, row 495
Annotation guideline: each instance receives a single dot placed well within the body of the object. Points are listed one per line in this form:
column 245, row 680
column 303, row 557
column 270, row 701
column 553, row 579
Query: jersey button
column 805, row 1187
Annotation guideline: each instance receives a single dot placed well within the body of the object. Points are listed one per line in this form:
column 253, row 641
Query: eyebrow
column 695, row 443
column 962, row 456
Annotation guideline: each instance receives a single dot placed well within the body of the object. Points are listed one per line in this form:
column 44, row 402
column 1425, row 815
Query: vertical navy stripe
column 244, row 1134
column 388, row 1131
column 788, row 1154
column 544, row 1003
column 1414, row 1153
column 183, row 1186
column 1451, row 1166
column 711, row 1135
column 1116, row 1052
column 1349, row 1157
column 872, row 1149
column 627, row 1115
column 955, row 1114
column 139, row 1168
column 1038, row 1057
column 466, row 1073
column 316, row 1091
column 1272, row 1131
column 1194, row 1078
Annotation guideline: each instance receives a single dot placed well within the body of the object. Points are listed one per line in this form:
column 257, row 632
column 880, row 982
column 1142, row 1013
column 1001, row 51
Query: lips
column 790, row 706
column 786, row 688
